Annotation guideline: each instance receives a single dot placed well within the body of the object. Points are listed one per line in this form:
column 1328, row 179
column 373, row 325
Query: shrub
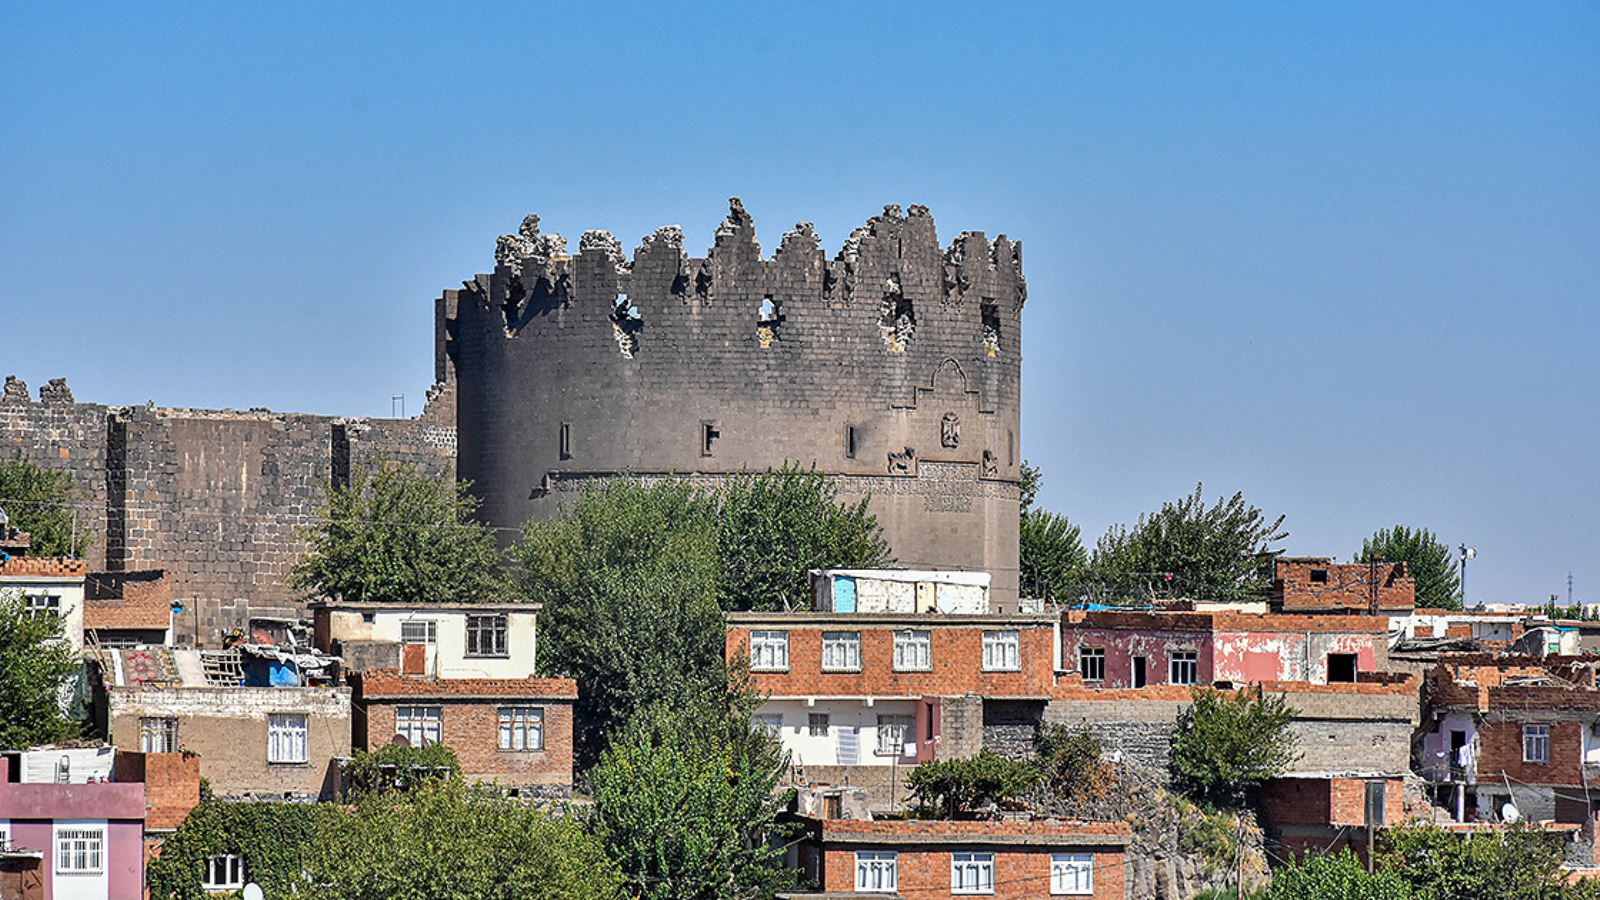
column 1226, row 747
column 398, row 767
column 1068, row 760
column 955, row 787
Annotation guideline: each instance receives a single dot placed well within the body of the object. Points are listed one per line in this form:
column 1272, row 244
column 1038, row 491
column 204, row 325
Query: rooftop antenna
column 400, row 400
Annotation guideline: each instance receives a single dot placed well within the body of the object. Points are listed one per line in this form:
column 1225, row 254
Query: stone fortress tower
column 894, row 367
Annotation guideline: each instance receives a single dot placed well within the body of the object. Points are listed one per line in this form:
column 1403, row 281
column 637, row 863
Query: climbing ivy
column 397, row 767
column 271, row 838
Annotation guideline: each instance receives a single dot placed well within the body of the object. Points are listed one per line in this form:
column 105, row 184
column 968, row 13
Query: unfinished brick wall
column 912, row 347
column 1500, row 751
column 1321, row 585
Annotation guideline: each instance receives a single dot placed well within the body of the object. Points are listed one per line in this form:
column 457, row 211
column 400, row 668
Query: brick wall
column 1344, row 586
column 956, row 657
column 1500, row 751
column 1018, row 873
column 471, row 729
column 171, row 785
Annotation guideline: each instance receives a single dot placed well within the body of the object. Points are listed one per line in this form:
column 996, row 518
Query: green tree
column 446, row 839
column 1341, row 875
column 1518, row 863
column 443, row 839
column 397, row 767
column 1225, row 747
column 1069, row 760
column 1427, row 559
column 1029, row 481
column 628, row 579
column 1189, row 549
column 1051, row 555
column 953, row 788
column 37, row 670
column 396, row 535
column 776, row 525
column 40, row 501
column 686, row 802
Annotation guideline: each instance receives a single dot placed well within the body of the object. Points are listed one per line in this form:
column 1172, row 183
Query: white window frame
column 841, row 651
column 421, row 724
column 769, row 650
column 232, row 873
column 972, row 872
column 1536, row 744
column 520, row 728
column 1072, row 874
column 288, row 738
column 768, row 723
column 493, row 628
column 36, row 605
column 158, row 734
column 1189, row 660
column 428, row 627
column 877, row 871
column 1002, row 650
column 1097, row 654
column 80, row 850
column 913, row 650
column 902, row 724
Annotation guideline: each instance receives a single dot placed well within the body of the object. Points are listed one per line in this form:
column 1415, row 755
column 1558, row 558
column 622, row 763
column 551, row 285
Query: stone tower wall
column 912, row 347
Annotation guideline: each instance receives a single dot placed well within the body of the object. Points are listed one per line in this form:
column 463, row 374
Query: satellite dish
column 252, row 891
column 1509, row 813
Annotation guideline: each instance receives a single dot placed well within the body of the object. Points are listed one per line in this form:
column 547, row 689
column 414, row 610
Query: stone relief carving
column 950, row 431
column 903, row 463
column 991, row 464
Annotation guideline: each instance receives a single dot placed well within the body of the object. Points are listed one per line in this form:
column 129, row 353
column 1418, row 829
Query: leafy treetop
column 40, row 502
column 37, row 668
column 1428, row 560
column 1226, row 747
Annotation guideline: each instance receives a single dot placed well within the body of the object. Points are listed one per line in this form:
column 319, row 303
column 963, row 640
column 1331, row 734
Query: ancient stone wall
column 894, row 367
column 220, row 499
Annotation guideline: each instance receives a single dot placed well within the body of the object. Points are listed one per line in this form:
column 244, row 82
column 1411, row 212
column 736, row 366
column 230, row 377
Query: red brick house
column 931, row 859
column 1324, row 812
column 514, row 731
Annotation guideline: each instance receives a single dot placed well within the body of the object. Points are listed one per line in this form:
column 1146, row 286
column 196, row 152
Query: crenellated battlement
column 893, row 365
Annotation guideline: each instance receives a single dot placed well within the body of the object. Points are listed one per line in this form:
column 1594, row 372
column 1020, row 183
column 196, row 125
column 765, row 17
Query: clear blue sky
column 1342, row 257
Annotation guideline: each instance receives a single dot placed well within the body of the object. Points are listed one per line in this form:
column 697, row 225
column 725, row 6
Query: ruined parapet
column 892, row 364
column 55, row 391
column 16, row 391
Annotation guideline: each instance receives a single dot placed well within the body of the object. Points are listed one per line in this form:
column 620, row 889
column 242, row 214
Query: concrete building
column 48, row 585
column 1131, row 649
column 474, row 640
column 266, row 723
column 68, row 831
column 894, row 368
column 1517, row 730
column 1013, row 858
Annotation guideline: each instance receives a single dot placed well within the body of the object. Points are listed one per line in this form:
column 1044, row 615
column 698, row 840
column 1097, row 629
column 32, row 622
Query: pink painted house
column 1135, row 649
column 67, row 831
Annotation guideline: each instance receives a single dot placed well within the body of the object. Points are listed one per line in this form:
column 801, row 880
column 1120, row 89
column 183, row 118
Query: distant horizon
column 1339, row 259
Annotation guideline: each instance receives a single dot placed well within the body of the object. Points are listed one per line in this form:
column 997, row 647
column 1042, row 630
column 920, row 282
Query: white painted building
column 480, row 640
column 849, row 591
column 49, row 585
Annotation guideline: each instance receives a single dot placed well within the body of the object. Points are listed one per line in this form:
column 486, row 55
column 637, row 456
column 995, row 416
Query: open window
column 1341, row 668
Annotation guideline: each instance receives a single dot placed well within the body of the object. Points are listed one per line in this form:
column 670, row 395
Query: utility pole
column 1466, row 554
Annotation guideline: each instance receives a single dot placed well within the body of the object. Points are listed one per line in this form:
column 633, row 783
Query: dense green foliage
column 1227, row 746
column 40, row 502
column 442, row 840
column 953, row 788
column 1427, row 559
column 1051, row 557
column 1189, row 549
column 628, row 577
column 272, row 837
column 775, row 526
column 685, row 802
column 396, row 767
column 448, row 840
column 1426, row 862
column 1339, row 875
column 396, row 535
column 37, row 670
column 1029, row 481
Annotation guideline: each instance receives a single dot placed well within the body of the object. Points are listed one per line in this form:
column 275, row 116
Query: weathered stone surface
column 780, row 357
